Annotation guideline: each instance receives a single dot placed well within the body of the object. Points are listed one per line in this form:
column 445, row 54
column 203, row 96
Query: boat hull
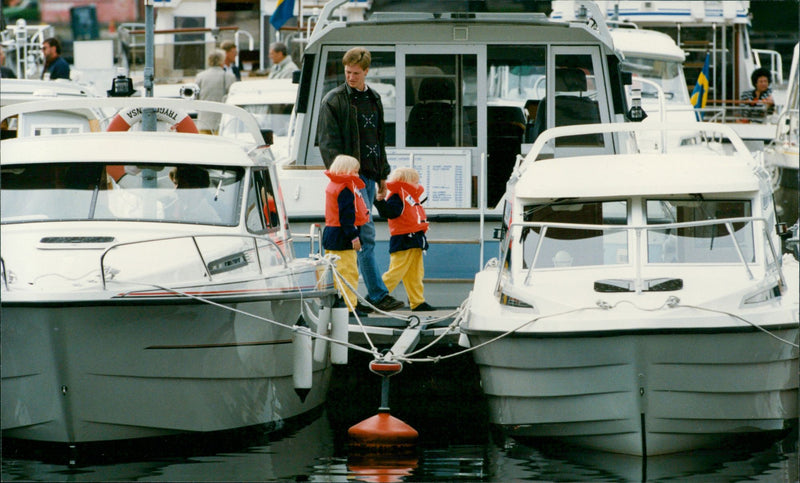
column 644, row 392
column 118, row 370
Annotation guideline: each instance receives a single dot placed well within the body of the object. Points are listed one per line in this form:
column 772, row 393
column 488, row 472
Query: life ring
column 179, row 120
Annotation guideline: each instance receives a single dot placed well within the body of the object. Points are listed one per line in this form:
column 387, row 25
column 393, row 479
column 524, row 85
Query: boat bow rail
column 111, row 106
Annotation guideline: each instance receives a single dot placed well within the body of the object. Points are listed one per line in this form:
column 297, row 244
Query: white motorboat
column 640, row 303
column 150, row 285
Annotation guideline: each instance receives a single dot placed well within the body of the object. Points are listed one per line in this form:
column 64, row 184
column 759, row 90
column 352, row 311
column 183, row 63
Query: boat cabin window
column 575, row 101
column 667, row 74
column 97, row 191
column 262, row 211
column 554, row 247
column 441, row 100
column 380, row 78
column 702, row 243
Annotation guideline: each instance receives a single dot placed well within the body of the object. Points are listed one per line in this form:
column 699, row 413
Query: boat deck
column 384, row 330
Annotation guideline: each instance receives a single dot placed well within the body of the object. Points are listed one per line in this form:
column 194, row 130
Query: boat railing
column 194, row 238
column 542, row 148
column 771, row 266
column 314, row 242
column 3, row 272
column 736, row 112
column 248, row 122
column 23, row 44
column 773, row 63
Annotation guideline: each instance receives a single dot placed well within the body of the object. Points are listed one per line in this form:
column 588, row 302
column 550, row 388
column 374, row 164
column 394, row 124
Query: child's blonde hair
column 406, row 175
column 344, row 164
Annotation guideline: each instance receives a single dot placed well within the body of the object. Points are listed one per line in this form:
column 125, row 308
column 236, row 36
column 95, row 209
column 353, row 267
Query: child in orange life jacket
column 345, row 212
column 407, row 227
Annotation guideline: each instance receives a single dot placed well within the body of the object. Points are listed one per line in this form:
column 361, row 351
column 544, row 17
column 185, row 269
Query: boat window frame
column 602, row 85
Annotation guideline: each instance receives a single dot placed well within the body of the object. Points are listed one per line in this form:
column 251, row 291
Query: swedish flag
column 700, row 91
column 283, row 12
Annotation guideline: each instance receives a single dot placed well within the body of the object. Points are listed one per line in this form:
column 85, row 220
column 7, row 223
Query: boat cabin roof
column 23, row 90
column 457, row 28
column 635, row 175
column 126, row 147
column 648, row 44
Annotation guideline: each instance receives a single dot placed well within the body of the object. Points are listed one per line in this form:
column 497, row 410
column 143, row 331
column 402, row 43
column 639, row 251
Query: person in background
column 407, row 227
column 760, row 94
column 351, row 122
column 55, row 67
column 214, row 83
column 5, row 72
column 230, row 58
column 282, row 63
column 345, row 214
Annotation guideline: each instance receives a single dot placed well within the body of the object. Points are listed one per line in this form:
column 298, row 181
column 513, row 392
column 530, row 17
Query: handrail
column 3, row 271
column 194, row 238
column 248, row 121
column 551, row 134
column 728, row 222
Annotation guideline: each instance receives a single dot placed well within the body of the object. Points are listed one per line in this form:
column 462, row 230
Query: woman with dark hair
column 760, row 94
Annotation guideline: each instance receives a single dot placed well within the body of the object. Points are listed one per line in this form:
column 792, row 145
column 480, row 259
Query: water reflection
column 309, row 453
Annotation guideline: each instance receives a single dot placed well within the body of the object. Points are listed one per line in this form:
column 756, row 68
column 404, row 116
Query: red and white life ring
column 179, row 120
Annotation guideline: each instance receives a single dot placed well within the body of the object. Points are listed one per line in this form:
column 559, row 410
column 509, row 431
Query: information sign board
column 446, row 174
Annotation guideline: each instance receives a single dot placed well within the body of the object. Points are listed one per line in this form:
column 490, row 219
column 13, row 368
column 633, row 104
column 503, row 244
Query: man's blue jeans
column 376, row 289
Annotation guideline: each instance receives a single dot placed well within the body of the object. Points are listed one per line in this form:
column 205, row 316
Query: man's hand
column 357, row 244
column 381, row 190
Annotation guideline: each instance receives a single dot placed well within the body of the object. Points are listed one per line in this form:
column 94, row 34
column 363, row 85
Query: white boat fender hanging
column 340, row 321
column 303, row 362
column 321, row 344
column 177, row 119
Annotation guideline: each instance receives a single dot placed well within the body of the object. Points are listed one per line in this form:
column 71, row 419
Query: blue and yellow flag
column 700, row 91
column 283, row 12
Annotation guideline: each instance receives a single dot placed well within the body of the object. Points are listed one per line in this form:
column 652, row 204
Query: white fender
column 340, row 320
column 320, row 344
column 303, row 365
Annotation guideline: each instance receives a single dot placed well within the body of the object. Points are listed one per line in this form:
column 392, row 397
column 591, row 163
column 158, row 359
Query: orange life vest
column 413, row 218
column 337, row 184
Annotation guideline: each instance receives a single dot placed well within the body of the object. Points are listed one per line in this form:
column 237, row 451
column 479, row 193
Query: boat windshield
column 702, row 243
column 554, row 247
column 98, row 191
column 274, row 117
column 668, row 74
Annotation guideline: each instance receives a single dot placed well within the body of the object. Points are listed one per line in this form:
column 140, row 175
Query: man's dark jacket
column 337, row 132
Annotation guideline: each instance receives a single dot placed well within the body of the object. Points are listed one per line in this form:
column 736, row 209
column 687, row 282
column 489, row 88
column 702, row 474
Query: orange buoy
column 382, row 433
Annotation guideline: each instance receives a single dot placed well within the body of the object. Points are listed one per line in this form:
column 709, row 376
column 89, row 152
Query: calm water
column 443, row 402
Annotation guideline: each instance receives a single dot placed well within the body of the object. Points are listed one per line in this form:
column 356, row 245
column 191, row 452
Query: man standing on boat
column 351, row 122
column 230, row 58
column 55, row 67
column 214, row 83
column 282, row 64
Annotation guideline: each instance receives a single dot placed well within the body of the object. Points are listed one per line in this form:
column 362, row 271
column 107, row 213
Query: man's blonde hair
column 359, row 56
column 406, row 175
column 344, row 164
